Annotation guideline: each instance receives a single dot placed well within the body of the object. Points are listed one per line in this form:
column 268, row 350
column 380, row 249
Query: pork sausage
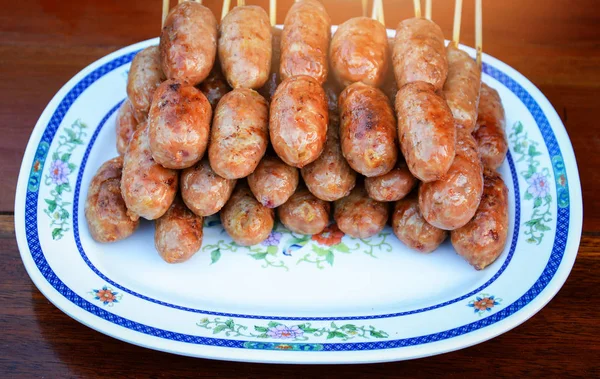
column 179, row 123
column 178, row 233
column 303, row 213
column 298, row 120
column 203, row 191
column 461, row 89
column 358, row 215
column 105, row 209
column 482, row 240
column 490, row 130
column 392, row 186
column 125, row 126
column 188, row 43
column 367, row 130
column 239, row 134
column 145, row 75
column 273, row 182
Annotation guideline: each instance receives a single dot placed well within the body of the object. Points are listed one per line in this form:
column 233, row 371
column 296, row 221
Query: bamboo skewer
column 457, row 20
column 273, row 12
column 165, row 11
column 428, row 9
column 377, row 12
column 478, row 31
column 417, row 5
column 225, row 10
column 365, row 7
column 241, row 3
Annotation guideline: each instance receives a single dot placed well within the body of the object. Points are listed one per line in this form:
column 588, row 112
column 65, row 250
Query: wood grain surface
column 43, row 43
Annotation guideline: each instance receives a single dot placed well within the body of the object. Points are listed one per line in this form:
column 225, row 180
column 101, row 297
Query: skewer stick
column 417, row 5
column 380, row 16
column 478, row 31
column 428, row 9
column 457, row 16
column 165, row 11
column 365, row 8
column 226, row 6
column 273, row 12
column 241, row 3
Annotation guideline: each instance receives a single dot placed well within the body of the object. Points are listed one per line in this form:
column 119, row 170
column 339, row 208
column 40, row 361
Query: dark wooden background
column 43, row 43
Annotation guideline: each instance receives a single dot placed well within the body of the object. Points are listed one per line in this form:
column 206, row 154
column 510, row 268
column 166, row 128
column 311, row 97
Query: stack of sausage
column 326, row 150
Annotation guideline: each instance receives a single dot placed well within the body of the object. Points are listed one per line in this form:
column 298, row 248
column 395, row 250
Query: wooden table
column 43, row 43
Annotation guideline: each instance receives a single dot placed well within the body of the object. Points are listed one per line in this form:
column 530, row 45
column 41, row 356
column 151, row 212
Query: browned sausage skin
column 426, row 131
column 188, row 43
column 145, row 75
column 359, row 216
column 461, row 89
column 359, row 52
column 411, row 228
column 330, row 177
column 215, row 86
column 392, row 186
column 367, row 130
column 178, row 233
column 305, row 41
column 239, row 134
column 105, row 209
column 273, row 182
column 147, row 187
column 179, row 123
column 247, row 221
column 304, row 213
column 203, row 191
column 482, row 240
column 125, row 126
column 419, row 53
column 490, row 130
column 245, row 47
column 451, row 202
column 298, row 120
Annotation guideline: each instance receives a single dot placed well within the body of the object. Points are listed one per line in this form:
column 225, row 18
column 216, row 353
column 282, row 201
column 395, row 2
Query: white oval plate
column 292, row 299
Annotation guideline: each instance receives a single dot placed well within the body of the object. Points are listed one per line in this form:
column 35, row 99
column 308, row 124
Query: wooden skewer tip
column 417, row 6
column 428, row 7
column 225, row 10
column 165, row 11
column 478, row 30
column 457, row 21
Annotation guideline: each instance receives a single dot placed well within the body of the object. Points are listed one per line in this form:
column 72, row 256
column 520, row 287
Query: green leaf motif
column 273, row 324
column 71, row 134
column 215, row 255
column 273, row 250
column 258, row 256
column 306, row 329
column 377, row 334
column 261, row 329
column 56, row 233
column 320, row 251
column 537, row 202
column 528, row 196
column 349, row 327
column 533, row 152
column 329, row 258
column 230, row 324
column 219, row 328
column 334, row 334
column 518, row 128
column 65, row 157
column 341, row 247
column 51, row 205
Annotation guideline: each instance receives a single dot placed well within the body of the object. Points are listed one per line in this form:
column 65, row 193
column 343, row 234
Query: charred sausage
column 303, row 213
column 125, row 126
column 145, row 75
column 360, row 216
column 490, row 130
column 461, row 89
column 273, row 182
column 392, row 186
column 178, row 233
column 203, row 191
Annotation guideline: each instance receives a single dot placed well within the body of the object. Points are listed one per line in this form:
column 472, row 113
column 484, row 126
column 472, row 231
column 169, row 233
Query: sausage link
column 461, row 89
column 239, row 134
column 330, row 177
column 273, row 182
column 147, row 187
column 179, row 123
column 359, row 52
column 245, row 47
column 215, row 86
column 125, row 126
column 178, row 233
column 426, row 130
column 452, row 201
column 359, row 216
column 203, row 191
column 105, row 209
column 411, row 228
column 392, row 186
column 490, row 130
column 303, row 213
column 188, row 43
column 247, row 221
column 298, row 120
column 145, row 75
column 419, row 53
column 482, row 240
column 305, row 41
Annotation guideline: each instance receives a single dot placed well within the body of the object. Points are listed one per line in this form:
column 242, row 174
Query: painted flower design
column 331, row 235
column 59, row 171
column 538, row 185
column 484, row 303
column 284, row 332
column 106, row 295
column 273, row 239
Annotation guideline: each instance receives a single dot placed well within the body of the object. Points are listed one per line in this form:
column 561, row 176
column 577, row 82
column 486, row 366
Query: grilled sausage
column 451, row 202
column 145, row 75
column 461, row 89
column 188, row 43
column 367, row 130
column 419, row 53
column 105, row 209
column 215, row 86
column 360, row 216
column 273, row 182
column 203, row 191
column 247, row 221
column 298, row 120
column 482, row 240
column 245, row 47
column 305, row 41
column 411, row 228
column 303, row 213
column 178, row 233
column 359, row 52
column 426, row 130
column 490, row 130
column 392, row 186
column 125, row 126
column 239, row 134
column 147, row 187
column 330, row 177
column 179, row 123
